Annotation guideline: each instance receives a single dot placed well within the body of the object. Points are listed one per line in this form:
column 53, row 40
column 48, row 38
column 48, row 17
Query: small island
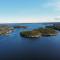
column 4, row 30
column 38, row 33
column 54, row 27
column 21, row 27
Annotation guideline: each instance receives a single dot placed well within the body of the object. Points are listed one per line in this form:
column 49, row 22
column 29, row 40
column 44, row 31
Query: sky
column 24, row 11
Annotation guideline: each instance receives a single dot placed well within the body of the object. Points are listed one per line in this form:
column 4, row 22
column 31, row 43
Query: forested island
column 4, row 30
column 38, row 33
column 35, row 33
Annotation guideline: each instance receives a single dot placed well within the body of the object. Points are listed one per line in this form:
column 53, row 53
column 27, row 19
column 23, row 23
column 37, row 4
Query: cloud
column 54, row 5
column 41, row 19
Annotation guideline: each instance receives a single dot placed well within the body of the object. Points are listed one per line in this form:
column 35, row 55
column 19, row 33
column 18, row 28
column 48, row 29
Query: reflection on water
column 15, row 46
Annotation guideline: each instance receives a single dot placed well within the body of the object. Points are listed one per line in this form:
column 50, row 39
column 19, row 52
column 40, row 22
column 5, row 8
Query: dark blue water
column 16, row 47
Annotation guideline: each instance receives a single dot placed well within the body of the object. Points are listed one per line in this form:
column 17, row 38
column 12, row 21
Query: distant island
column 54, row 27
column 21, row 27
column 35, row 33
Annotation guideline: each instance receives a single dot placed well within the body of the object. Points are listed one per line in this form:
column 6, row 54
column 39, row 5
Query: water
column 16, row 47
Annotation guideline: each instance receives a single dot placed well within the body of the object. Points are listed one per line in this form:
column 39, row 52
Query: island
column 21, row 27
column 4, row 30
column 30, row 34
column 35, row 33
column 54, row 27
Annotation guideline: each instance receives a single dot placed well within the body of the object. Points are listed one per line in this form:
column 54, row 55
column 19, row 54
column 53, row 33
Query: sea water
column 13, row 46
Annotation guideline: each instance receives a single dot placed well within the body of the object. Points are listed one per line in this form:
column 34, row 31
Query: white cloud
column 54, row 5
column 31, row 20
